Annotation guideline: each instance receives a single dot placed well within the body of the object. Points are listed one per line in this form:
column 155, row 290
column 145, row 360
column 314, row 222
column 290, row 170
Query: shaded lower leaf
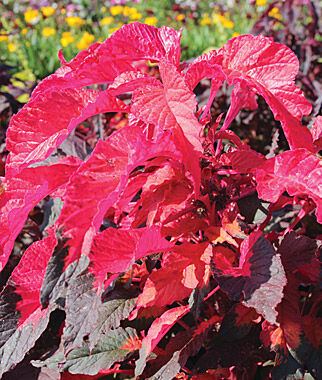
column 178, row 350
column 23, row 340
column 83, row 302
column 110, row 314
column 111, row 348
column 259, row 279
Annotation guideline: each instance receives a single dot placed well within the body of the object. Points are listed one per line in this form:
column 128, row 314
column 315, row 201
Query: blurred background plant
column 32, row 32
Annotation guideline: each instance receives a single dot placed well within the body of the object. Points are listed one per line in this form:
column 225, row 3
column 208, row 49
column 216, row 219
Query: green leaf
column 111, row 348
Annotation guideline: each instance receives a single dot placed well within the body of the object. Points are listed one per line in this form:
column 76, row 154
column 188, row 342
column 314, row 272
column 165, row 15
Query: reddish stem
column 244, row 194
column 212, row 293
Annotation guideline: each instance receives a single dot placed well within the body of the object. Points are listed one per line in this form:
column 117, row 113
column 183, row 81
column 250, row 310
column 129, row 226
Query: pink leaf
column 102, row 178
column 45, row 122
column 316, row 132
column 156, row 332
column 22, row 193
column 115, row 250
column 269, row 69
column 298, row 172
column 171, row 107
column 102, row 63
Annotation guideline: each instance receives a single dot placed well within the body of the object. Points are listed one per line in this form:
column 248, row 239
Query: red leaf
column 156, row 332
column 115, row 250
column 171, row 106
column 101, row 179
column 45, row 122
column 102, row 63
column 129, row 81
column 298, row 172
column 316, row 132
column 182, row 271
column 22, row 193
column 256, row 63
column 165, row 191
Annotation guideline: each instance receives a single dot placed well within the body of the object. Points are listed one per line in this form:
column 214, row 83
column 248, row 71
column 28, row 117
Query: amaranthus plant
column 155, row 256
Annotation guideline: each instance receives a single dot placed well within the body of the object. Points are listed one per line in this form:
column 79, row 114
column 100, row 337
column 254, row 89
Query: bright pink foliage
column 156, row 208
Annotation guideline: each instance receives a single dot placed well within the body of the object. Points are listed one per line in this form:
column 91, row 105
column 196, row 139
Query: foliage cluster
column 173, row 248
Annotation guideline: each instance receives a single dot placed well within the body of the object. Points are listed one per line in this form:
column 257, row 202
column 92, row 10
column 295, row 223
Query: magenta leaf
column 22, row 316
column 298, row 172
column 102, row 63
column 102, row 179
column 115, row 250
column 46, row 121
column 257, row 64
column 156, row 332
column 171, row 107
column 23, row 192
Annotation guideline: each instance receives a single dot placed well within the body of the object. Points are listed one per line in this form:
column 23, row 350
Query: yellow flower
column 66, row 39
column 275, row 13
column 116, row 10
column 180, row 17
column 235, row 34
column 103, row 9
column 12, row 47
column 74, row 21
column 24, row 31
column 107, row 20
column 47, row 11
column 227, row 23
column 261, row 3
column 47, row 32
column 224, row 21
column 151, row 21
column 3, row 35
column 63, row 11
column 205, row 20
column 31, row 15
column 28, row 44
column 85, row 42
column 127, row 11
column 135, row 16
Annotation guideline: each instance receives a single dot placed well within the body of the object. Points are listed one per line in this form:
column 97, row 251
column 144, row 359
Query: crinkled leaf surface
column 115, row 250
column 171, row 107
column 101, row 63
column 46, row 121
column 269, row 69
column 182, row 271
column 297, row 171
column 22, row 193
column 22, row 317
column 156, row 332
column 112, row 347
column 260, row 277
column 102, row 179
